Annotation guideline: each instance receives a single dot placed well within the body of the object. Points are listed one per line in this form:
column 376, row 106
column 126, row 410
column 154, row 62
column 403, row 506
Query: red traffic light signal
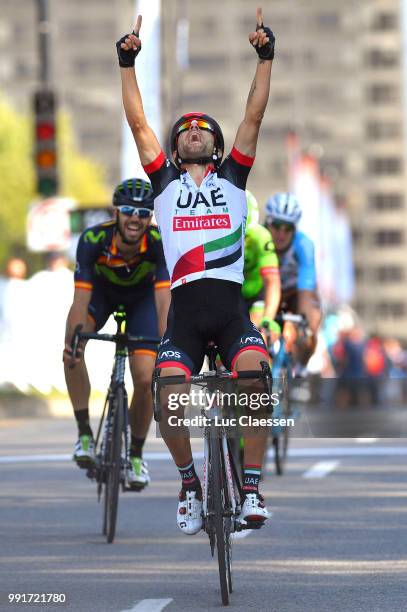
column 45, row 131
column 45, row 143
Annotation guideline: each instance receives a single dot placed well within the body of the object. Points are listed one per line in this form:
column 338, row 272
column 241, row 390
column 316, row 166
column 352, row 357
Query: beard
column 129, row 242
column 189, row 150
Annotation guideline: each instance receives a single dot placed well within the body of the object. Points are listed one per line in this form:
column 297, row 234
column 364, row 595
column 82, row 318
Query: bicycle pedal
column 241, row 525
column 91, row 474
column 85, row 464
column 134, row 488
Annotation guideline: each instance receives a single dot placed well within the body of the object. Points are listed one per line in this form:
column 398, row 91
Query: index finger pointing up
column 259, row 14
column 137, row 27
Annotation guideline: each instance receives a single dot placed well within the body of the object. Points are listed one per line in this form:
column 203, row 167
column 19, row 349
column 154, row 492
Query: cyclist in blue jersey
column 120, row 262
column 295, row 252
column 200, row 205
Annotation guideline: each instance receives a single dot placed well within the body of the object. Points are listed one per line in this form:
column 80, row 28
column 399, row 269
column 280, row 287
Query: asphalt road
column 337, row 540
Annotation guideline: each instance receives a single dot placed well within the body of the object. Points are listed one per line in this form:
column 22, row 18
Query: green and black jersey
column 98, row 259
column 260, row 259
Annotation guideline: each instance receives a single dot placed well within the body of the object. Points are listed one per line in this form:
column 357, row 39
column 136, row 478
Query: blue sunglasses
column 132, row 211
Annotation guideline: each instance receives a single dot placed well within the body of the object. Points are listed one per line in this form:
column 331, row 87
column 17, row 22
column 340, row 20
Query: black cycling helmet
column 213, row 126
column 132, row 192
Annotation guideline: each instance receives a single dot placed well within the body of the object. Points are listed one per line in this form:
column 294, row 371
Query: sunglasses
column 131, row 211
column 282, row 225
column 203, row 125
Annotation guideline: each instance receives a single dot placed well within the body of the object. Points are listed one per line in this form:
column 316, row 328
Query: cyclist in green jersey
column 261, row 287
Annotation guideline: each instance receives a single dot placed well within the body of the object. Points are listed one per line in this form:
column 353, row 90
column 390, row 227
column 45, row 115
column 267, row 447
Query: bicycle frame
column 210, row 378
column 220, row 506
column 230, row 473
column 110, row 468
column 282, row 365
column 116, row 381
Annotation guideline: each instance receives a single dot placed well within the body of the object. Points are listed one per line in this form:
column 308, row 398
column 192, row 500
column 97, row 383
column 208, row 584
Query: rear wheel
column 104, row 528
column 113, row 467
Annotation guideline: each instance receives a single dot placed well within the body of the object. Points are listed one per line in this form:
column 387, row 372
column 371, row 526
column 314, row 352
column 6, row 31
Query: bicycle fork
column 228, row 473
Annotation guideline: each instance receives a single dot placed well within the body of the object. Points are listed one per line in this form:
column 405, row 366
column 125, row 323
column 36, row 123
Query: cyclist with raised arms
column 120, row 262
column 297, row 265
column 261, row 287
column 200, row 206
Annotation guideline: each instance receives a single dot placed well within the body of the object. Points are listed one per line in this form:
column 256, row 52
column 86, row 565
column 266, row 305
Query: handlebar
column 205, row 376
column 288, row 317
column 159, row 382
column 125, row 338
column 284, row 317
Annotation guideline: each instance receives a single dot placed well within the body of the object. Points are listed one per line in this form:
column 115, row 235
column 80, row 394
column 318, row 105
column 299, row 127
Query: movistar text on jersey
column 207, row 400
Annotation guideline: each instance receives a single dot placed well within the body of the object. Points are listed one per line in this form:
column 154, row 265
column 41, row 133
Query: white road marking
column 34, row 458
column 149, row 605
column 321, row 469
column 328, row 451
column 366, row 440
column 345, row 451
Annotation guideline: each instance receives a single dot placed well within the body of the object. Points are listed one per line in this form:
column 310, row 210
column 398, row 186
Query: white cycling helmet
column 283, row 207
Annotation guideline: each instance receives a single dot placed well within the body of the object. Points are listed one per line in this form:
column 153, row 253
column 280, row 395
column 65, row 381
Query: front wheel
column 280, row 451
column 113, row 464
column 280, row 441
column 222, row 522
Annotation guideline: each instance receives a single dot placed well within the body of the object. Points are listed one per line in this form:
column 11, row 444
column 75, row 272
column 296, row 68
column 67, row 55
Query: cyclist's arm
column 272, row 293
column 162, row 302
column 78, row 315
column 87, row 251
column 308, row 302
column 161, row 285
column 248, row 132
column 270, row 272
column 147, row 144
column 308, row 305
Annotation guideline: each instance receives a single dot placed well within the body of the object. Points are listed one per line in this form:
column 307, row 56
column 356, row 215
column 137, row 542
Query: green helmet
column 252, row 210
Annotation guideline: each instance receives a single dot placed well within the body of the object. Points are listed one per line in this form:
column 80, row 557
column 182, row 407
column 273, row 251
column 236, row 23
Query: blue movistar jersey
column 297, row 265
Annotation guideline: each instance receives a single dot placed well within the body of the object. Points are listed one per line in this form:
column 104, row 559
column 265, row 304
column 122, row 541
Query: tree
column 17, row 177
column 80, row 177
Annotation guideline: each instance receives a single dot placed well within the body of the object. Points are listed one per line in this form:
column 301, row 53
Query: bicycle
column 221, row 484
column 283, row 366
column 113, row 447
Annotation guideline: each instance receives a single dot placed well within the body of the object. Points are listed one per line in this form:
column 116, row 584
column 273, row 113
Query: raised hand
column 129, row 46
column 132, row 41
column 263, row 38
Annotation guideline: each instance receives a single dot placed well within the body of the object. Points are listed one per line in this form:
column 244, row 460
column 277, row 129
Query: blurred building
column 83, row 66
column 338, row 82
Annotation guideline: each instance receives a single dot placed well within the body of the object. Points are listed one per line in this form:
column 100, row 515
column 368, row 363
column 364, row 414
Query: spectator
column 13, row 322
column 375, row 365
column 16, row 268
column 51, row 295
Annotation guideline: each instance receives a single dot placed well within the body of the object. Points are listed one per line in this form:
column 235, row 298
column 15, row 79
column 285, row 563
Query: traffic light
column 45, row 143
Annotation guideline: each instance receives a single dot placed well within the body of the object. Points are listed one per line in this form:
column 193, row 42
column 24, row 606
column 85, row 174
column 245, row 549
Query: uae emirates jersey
column 202, row 228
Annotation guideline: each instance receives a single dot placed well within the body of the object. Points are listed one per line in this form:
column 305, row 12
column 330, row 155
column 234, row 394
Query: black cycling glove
column 266, row 52
column 126, row 58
